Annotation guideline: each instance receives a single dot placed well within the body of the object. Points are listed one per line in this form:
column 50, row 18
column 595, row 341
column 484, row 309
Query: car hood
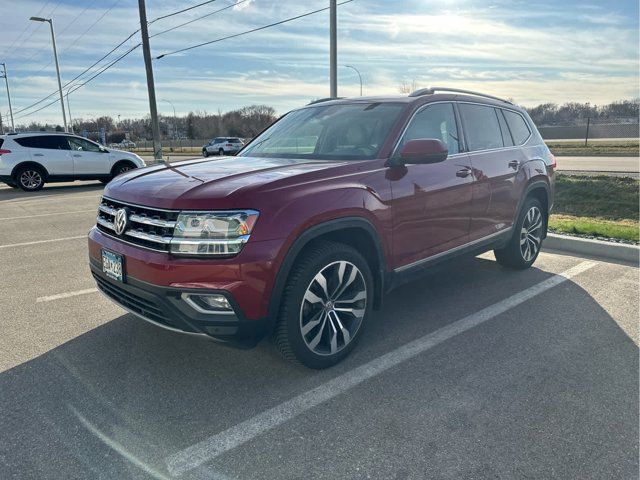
column 207, row 183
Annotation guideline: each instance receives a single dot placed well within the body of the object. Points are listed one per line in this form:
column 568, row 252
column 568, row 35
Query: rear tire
column 324, row 306
column 526, row 241
column 30, row 178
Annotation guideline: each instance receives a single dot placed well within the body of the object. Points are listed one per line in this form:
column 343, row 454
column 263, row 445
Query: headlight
column 212, row 233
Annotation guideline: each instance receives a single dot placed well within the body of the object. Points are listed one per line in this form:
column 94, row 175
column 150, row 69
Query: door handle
column 77, row 155
column 514, row 164
column 463, row 173
column 38, row 154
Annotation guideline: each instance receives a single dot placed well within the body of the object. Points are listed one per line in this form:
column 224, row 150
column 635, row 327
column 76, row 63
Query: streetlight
column 175, row 120
column 359, row 76
column 6, row 81
column 55, row 56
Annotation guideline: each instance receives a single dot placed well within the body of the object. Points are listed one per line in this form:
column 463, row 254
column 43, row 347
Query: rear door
column 88, row 158
column 50, row 151
column 432, row 203
column 495, row 161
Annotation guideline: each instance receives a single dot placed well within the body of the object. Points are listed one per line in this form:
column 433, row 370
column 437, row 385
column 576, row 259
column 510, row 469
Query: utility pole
column 69, row 109
column 333, row 50
column 153, row 108
column 6, row 81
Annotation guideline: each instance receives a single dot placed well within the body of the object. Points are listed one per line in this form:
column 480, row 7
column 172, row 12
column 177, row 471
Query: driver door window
column 435, row 121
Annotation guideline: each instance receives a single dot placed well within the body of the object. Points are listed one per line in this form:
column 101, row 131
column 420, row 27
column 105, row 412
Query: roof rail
column 320, row 100
column 432, row 90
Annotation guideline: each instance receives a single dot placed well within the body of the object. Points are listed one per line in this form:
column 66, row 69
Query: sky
column 529, row 51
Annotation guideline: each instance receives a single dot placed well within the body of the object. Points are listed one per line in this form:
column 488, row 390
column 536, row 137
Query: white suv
column 29, row 160
column 222, row 146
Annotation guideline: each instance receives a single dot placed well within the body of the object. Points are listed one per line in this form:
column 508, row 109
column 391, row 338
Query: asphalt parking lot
column 473, row 372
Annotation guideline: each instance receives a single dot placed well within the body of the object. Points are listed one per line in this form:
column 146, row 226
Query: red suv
column 332, row 206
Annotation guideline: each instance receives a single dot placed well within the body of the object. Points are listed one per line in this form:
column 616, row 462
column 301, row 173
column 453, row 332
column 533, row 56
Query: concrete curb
column 593, row 248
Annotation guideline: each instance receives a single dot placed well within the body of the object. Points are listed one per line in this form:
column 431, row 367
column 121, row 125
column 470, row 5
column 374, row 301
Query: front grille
column 135, row 303
column 148, row 227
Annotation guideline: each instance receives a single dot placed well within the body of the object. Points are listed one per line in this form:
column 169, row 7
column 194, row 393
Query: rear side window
column 48, row 142
column 519, row 128
column 506, row 135
column 481, row 126
column 1, row 142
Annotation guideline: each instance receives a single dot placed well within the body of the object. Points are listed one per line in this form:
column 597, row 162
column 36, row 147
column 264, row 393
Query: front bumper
column 164, row 307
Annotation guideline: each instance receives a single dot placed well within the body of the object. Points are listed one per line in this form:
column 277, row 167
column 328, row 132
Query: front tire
column 122, row 168
column 526, row 241
column 205, row 153
column 30, row 179
column 325, row 305
column 221, row 152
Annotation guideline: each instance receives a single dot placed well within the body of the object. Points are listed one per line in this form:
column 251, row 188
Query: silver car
column 222, row 146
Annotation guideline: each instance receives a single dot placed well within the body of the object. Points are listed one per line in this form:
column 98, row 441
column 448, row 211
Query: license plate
column 113, row 265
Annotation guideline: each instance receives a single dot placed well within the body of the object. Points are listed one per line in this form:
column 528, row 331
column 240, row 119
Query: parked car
column 127, row 144
column 29, row 160
column 222, row 146
column 333, row 206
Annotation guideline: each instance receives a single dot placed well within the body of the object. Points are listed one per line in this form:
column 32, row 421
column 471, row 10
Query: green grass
column 630, row 148
column 609, row 198
column 623, row 229
column 599, row 205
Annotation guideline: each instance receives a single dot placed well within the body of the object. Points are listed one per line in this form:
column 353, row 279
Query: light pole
column 55, row 56
column 359, row 76
column 6, row 81
column 175, row 119
column 333, row 49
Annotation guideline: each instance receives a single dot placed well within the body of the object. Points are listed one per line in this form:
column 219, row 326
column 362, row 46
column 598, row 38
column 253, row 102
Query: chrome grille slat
column 148, row 227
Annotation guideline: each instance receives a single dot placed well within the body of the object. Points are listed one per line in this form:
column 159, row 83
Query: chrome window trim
column 451, row 251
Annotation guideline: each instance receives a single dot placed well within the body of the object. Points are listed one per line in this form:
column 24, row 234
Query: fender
column 315, row 232
column 528, row 189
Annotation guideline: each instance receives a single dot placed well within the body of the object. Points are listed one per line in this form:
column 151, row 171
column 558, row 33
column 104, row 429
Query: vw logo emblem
column 121, row 221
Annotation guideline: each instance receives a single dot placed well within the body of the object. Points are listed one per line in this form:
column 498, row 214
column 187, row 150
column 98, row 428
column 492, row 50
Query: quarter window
column 435, row 121
column 518, row 126
column 481, row 126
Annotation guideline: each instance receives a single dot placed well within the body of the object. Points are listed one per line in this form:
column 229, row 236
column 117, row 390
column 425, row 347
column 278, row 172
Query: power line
column 113, row 5
column 249, row 31
column 199, row 18
column 26, row 28
column 180, row 11
column 77, row 87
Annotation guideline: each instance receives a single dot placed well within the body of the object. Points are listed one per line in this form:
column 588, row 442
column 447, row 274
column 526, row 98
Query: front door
column 431, row 202
column 88, row 158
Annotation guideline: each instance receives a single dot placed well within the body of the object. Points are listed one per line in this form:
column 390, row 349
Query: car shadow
column 50, row 189
column 115, row 401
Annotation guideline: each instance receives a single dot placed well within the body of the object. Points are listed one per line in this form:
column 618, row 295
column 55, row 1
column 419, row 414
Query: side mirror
column 423, row 150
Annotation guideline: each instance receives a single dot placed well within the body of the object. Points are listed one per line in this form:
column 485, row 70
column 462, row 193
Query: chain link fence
column 592, row 131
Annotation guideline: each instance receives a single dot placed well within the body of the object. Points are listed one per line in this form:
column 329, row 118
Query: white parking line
column 220, row 443
column 25, row 244
column 47, row 198
column 66, row 295
column 48, row 214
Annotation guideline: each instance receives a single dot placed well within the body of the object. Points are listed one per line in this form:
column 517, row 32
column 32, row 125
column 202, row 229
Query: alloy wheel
column 531, row 234
column 333, row 307
column 30, row 179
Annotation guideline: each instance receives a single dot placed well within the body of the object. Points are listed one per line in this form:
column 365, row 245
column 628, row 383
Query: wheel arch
column 357, row 232
column 29, row 163
column 540, row 190
column 121, row 162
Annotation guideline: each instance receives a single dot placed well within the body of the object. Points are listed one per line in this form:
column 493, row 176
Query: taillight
column 4, row 151
column 554, row 162
column 229, row 145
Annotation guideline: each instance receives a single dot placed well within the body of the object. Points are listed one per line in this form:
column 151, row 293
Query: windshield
column 345, row 132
